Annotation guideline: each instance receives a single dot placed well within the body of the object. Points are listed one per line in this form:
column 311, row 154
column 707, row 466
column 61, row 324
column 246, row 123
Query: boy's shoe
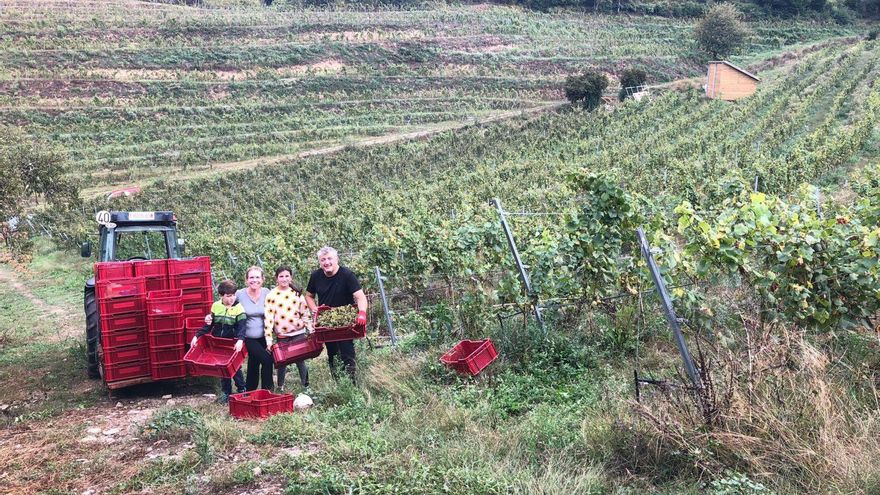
column 279, row 389
column 223, row 399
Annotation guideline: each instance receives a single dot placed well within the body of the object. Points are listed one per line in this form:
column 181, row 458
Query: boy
column 228, row 322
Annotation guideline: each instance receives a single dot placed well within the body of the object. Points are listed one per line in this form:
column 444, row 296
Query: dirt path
column 423, row 133
column 11, row 279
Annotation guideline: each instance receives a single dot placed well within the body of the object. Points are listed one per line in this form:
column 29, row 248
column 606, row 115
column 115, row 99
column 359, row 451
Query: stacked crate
column 143, row 306
column 120, row 297
column 165, row 329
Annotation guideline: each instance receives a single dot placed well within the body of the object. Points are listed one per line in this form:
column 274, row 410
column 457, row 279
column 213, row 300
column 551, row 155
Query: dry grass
column 792, row 419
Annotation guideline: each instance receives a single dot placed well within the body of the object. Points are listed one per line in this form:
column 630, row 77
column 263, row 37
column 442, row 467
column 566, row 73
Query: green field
column 134, row 93
column 763, row 215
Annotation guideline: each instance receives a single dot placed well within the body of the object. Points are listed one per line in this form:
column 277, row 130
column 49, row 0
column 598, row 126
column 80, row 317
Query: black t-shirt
column 334, row 291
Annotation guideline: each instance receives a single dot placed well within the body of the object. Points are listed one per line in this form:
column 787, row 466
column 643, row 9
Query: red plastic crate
column 151, row 268
column 213, row 356
column 196, row 310
column 201, row 280
column 165, row 338
column 156, row 283
column 126, row 371
column 122, row 322
column 119, row 305
column 259, row 404
column 109, row 270
column 336, row 334
column 194, row 322
column 121, row 339
column 194, row 265
column 470, row 356
column 123, row 287
column 164, row 302
column 166, row 354
column 197, row 296
column 159, row 323
column 127, row 354
column 288, row 352
column 165, row 371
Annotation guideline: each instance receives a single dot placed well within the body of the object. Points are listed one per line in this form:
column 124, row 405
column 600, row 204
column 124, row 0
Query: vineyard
column 762, row 216
column 192, row 89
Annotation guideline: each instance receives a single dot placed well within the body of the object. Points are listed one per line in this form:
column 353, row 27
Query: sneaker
column 279, row 389
column 223, row 399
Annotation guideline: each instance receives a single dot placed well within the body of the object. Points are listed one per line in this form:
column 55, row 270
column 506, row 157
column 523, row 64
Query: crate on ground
column 119, row 305
column 259, row 404
column 291, row 351
column 201, row 295
column 122, row 339
column 199, row 280
column 122, row 322
column 165, row 338
column 160, row 323
column 126, row 371
column 470, row 356
column 166, row 354
column 166, row 371
column 214, row 356
column 110, row 270
column 122, row 287
column 195, row 265
column 164, row 302
column 336, row 334
column 127, row 354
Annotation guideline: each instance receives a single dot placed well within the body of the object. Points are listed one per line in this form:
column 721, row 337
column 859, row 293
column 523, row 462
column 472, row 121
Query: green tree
column 585, row 90
column 721, row 32
column 631, row 78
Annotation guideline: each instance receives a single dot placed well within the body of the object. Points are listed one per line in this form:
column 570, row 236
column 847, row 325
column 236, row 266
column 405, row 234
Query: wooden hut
column 728, row 82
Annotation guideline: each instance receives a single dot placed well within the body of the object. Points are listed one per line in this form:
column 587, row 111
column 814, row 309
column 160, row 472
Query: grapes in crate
column 342, row 316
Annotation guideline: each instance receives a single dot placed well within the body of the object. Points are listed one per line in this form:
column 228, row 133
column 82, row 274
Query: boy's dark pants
column 226, row 383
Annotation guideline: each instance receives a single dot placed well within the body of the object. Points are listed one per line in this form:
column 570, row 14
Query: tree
column 30, row 172
column 721, row 32
column 631, row 78
column 586, row 89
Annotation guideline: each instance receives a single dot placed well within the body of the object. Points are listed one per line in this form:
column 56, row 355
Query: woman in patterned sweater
column 287, row 317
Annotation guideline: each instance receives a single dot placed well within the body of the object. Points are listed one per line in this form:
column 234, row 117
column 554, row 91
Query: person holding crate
column 287, row 316
column 260, row 361
column 228, row 322
column 337, row 286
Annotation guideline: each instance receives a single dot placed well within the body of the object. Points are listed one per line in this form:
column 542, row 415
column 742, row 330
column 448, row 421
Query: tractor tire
column 93, row 331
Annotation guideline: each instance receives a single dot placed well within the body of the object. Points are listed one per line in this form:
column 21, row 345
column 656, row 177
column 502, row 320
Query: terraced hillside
column 391, row 206
column 133, row 90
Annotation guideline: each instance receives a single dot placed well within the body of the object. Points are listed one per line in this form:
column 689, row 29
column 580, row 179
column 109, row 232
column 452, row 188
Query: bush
column 586, row 89
column 721, row 32
column 631, row 78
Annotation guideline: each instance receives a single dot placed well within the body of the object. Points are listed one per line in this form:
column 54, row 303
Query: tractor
column 125, row 236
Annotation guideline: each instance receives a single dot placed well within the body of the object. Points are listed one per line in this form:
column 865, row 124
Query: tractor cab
column 136, row 235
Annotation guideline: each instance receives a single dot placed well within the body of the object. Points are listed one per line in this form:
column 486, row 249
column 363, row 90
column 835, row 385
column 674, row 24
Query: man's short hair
column 324, row 251
column 226, row 287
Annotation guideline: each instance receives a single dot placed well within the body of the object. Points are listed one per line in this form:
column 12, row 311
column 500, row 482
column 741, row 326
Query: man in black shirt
column 336, row 286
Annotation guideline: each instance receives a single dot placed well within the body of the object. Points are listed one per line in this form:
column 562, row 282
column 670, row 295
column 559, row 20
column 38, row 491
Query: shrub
column 586, row 89
column 631, row 78
column 721, row 32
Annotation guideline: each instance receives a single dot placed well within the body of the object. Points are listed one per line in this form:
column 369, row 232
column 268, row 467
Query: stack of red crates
column 120, row 297
column 143, row 306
